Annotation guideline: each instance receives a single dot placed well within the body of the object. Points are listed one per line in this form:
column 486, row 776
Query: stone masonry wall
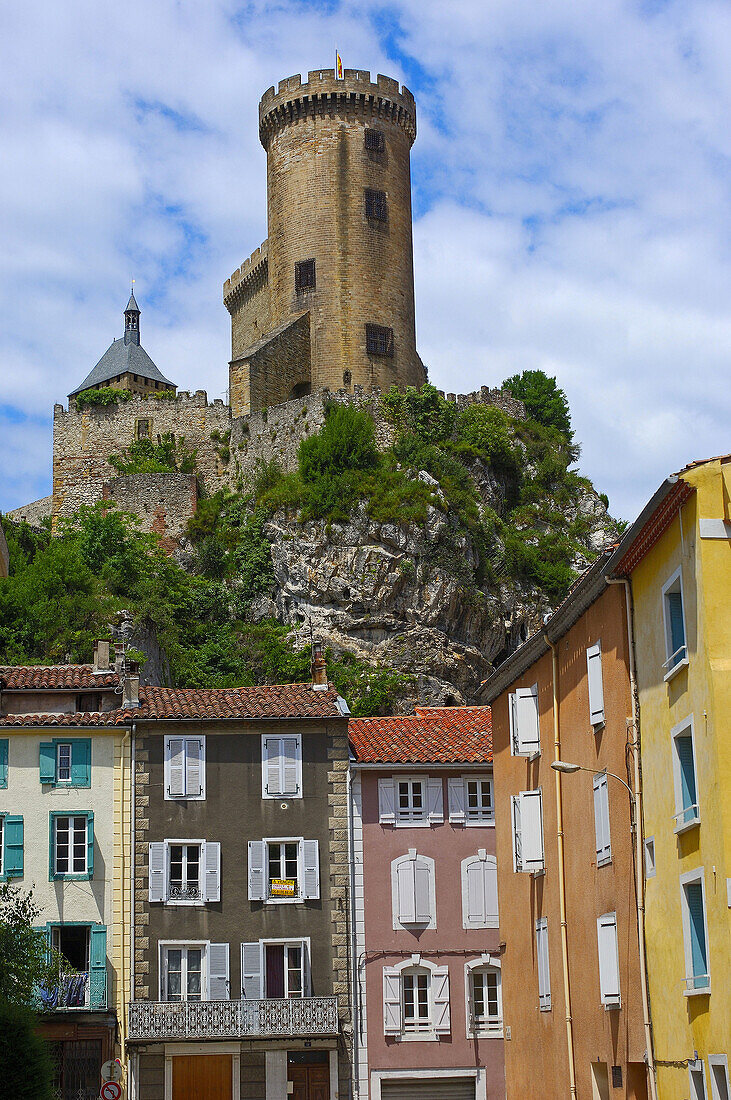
column 270, row 370
column 163, row 503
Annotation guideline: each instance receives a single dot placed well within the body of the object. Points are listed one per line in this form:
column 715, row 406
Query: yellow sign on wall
column 282, row 888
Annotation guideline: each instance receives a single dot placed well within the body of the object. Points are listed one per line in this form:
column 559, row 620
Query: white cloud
column 570, row 177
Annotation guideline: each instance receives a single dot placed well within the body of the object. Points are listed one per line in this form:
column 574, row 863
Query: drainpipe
column 353, row 933
column 562, row 874
column 132, row 1084
column 123, row 887
column 639, row 836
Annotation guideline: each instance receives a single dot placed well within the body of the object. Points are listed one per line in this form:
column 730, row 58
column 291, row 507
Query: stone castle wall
column 163, row 503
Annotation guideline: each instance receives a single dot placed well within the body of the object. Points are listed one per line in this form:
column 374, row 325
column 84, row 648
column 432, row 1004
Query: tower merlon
column 251, row 268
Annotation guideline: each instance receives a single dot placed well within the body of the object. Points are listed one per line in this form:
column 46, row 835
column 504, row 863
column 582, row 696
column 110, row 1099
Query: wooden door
column 202, row 1077
column 311, row 1082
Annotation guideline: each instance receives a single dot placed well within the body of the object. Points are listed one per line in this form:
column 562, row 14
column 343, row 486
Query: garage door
column 444, row 1088
column 202, row 1077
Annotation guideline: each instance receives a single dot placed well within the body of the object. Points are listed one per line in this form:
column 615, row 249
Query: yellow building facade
column 679, row 563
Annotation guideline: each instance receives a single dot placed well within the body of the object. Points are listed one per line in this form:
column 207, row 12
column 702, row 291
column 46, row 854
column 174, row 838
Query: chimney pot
column 131, row 689
column 101, row 655
column 319, row 668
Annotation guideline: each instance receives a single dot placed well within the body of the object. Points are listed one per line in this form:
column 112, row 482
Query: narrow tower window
column 304, row 275
column 379, row 340
column 375, row 204
column 375, row 140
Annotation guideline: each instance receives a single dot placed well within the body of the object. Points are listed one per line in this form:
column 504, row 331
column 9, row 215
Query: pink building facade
column 427, row 969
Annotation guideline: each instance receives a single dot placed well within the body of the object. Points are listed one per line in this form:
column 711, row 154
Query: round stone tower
column 328, row 300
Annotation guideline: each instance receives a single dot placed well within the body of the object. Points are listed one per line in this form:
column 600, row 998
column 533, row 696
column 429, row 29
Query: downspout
column 353, row 933
column 123, row 887
column 562, row 873
column 639, row 835
column 132, row 1083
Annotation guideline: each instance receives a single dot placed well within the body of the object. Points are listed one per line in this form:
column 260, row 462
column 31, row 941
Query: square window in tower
column 375, row 140
column 375, row 204
column 304, row 275
column 379, row 340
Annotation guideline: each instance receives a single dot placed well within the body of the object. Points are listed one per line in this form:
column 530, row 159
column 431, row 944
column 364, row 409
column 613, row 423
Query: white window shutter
column 291, row 748
column 440, row 999
column 157, row 869
column 517, row 837
column 391, row 1001
column 596, row 684
column 422, row 891
column 386, row 802
column 513, row 717
column 606, row 929
column 271, row 766
column 176, row 766
column 193, row 767
column 310, row 869
column 455, row 791
column 212, row 870
column 218, row 983
column 435, row 801
column 475, row 894
column 601, row 819
column 406, row 887
column 492, row 911
column 257, row 862
column 251, row 984
column 543, row 963
column 526, row 703
column 531, row 830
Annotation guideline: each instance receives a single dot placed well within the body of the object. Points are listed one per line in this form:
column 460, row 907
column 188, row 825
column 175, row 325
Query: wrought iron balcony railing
column 269, row 1019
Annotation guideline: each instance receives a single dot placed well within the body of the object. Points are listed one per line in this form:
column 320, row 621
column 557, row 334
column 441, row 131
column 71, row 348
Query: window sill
column 544, row 1008
column 486, row 1033
column 597, row 727
column 486, row 823
column 281, row 797
column 284, row 901
column 419, row 823
column 699, row 991
column 676, row 669
column 85, row 877
column 417, row 1037
column 685, row 826
column 613, row 1006
column 607, row 862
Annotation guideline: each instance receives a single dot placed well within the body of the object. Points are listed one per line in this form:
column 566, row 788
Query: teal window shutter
column 677, row 627
column 4, row 762
column 48, row 762
column 98, row 966
column 684, row 746
column 90, row 843
column 698, row 954
column 81, row 763
column 13, row 846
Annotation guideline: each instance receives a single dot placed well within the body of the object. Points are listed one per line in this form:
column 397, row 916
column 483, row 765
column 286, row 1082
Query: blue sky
column 571, row 196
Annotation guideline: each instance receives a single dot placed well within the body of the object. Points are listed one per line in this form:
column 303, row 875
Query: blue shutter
column 48, row 762
column 13, row 846
column 81, row 763
column 4, row 762
column 677, row 627
column 684, row 746
column 90, row 843
column 699, row 959
column 98, row 966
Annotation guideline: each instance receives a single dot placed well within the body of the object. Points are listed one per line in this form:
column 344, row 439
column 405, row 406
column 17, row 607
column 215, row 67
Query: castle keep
column 328, row 298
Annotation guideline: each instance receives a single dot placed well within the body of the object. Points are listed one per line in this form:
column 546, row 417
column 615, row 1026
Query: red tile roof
column 270, row 701
column 47, row 677
column 434, row 735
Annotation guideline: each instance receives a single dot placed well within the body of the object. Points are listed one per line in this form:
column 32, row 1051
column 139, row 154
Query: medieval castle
column 323, row 310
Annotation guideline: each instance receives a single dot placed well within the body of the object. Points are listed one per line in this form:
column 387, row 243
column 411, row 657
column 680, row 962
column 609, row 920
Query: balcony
column 300, row 1017
column 75, row 990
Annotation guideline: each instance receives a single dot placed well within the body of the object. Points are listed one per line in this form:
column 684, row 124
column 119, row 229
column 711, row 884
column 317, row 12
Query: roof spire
column 132, row 319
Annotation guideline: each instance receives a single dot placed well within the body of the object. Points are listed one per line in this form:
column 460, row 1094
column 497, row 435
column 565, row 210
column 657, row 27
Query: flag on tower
column 339, row 75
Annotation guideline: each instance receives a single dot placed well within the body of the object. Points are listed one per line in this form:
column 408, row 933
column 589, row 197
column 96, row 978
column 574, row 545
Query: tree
column 544, row 401
column 25, row 961
column 27, row 1073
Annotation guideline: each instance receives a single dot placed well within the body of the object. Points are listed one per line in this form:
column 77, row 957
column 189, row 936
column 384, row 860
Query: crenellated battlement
column 252, row 271
column 294, row 100
column 141, row 405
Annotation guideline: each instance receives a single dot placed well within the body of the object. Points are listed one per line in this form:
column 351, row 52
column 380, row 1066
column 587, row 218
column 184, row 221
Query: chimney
column 131, row 686
column 118, row 658
column 101, row 655
column 319, row 668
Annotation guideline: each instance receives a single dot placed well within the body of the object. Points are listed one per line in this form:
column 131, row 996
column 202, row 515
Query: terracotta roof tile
column 68, row 677
column 434, row 735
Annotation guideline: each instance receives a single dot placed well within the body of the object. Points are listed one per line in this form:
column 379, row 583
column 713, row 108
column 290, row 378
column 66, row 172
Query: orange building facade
column 572, row 989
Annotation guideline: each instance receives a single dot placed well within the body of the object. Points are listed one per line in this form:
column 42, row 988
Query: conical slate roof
column 120, row 358
column 132, row 304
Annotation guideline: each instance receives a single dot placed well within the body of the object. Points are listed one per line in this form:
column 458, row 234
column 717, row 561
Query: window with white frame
column 695, row 932
column 416, row 1000
column 676, row 648
column 413, row 891
column 601, row 820
column 525, row 739
column 410, row 800
column 697, row 1075
column 718, row 1066
column 484, row 998
column 527, row 810
column 595, row 684
column 275, row 969
column 471, row 800
column 284, row 869
column 185, row 872
column 687, row 809
column 650, row 870
column 185, row 768
column 183, row 972
column 281, row 766
column 543, row 964
column 479, row 891
column 63, row 762
column 72, row 844
column 608, row 951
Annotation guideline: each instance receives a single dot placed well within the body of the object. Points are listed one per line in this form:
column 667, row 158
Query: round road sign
column 112, row 1071
column 110, row 1090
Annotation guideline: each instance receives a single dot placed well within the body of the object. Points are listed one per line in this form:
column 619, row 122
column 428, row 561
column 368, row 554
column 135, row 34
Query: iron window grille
column 375, row 204
column 379, row 340
column 304, row 275
column 375, row 140
column 616, row 1077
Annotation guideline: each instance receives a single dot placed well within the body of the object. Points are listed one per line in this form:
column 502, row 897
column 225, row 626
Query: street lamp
column 568, row 769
